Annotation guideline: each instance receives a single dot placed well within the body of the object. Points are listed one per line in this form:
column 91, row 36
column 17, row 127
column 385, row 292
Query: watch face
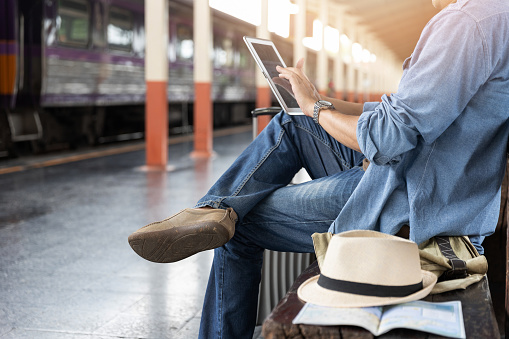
column 324, row 103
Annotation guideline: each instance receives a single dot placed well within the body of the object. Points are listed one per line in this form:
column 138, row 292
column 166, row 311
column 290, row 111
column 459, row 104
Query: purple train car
column 72, row 71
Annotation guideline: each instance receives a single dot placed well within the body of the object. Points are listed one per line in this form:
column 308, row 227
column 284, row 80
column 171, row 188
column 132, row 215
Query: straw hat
column 367, row 268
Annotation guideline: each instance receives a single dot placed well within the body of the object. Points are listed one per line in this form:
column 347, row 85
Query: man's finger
column 283, row 69
column 290, row 70
column 300, row 64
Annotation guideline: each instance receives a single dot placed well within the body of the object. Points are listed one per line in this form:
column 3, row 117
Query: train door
column 8, row 69
column 20, row 66
column 8, row 53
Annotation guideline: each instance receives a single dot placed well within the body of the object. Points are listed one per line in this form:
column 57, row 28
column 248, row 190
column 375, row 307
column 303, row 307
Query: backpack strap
column 459, row 267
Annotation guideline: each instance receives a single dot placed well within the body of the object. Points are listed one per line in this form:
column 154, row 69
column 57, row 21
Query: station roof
column 397, row 23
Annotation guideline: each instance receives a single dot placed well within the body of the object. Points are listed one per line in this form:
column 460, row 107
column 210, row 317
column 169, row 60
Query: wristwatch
column 318, row 106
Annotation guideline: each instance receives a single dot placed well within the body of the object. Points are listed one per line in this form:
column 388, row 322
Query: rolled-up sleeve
column 447, row 68
column 381, row 127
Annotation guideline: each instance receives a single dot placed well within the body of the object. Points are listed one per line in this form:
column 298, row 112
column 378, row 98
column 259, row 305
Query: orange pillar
column 322, row 60
column 361, row 89
column 339, row 64
column 156, row 125
column 203, row 113
column 350, row 66
column 360, row 98
column 263, row 99
column 203, row 120
column 263, row 93
column 299, row 29
column 156, row 76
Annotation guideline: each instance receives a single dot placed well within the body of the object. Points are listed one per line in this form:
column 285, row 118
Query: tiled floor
column 66, row 269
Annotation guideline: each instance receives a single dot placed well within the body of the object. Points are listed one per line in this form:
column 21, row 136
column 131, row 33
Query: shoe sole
column 171, row 245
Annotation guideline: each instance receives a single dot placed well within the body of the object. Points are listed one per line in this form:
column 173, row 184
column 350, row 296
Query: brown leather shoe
column 188, row 232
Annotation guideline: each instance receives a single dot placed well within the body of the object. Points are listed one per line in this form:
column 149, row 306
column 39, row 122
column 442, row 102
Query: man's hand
column 340, row 123
column 304, row 91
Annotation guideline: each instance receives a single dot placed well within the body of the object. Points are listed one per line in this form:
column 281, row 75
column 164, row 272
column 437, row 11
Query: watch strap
column 317, row 108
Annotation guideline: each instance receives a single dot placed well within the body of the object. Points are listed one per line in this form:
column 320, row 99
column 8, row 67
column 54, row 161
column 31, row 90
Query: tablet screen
column 270, row 60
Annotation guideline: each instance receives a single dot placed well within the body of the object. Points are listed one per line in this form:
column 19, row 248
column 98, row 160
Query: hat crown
column 372, row 258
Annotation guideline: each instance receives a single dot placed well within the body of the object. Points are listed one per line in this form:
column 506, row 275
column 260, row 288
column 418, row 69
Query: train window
column 245, row 58
column 73, row 22
column 120, row 29
column 223, row 53
column 185, row 45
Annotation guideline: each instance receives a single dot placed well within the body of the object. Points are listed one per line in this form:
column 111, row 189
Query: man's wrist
column 318, row 106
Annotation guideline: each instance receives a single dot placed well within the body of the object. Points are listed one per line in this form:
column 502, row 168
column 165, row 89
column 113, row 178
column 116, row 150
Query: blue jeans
column 272, row 214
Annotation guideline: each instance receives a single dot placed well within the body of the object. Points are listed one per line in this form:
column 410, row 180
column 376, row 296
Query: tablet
column 267, row 58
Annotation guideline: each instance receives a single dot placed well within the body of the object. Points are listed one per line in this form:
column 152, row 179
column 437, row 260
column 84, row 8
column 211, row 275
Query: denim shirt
column 438, row 146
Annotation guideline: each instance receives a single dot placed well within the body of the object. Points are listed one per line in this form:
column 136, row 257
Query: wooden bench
column 484, row 304
column 478, row 314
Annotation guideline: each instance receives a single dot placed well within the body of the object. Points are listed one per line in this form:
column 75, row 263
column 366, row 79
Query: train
column 72, row 71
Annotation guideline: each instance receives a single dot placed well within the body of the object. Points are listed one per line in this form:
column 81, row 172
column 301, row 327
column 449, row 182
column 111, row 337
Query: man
column 437, row 158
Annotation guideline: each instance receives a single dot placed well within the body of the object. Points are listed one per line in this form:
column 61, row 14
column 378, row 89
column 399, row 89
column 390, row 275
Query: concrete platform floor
column 66, row 269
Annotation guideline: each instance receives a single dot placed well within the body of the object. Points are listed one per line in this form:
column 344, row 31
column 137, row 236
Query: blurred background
column 72, row 71
column 74, row 142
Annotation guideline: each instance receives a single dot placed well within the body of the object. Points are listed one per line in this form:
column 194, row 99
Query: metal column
column 203, row 113
column 156, row 76
column 263, row 93
column 299, row 50
column 323, row 59
column 339, row 70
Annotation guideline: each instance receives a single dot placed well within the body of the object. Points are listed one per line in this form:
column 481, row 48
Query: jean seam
column 326, row 144
column 250, row 174
column 221, row 284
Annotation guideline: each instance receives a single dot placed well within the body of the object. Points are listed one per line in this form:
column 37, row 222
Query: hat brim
column 312, row 293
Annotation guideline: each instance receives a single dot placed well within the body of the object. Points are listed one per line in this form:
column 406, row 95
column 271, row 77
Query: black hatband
column 368, row 289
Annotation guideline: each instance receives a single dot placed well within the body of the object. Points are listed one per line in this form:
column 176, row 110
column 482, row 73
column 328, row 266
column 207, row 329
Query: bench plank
column 478, row 314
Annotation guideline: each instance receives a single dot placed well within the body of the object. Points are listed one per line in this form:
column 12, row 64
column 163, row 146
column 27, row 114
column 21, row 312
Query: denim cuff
column 361, row 133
